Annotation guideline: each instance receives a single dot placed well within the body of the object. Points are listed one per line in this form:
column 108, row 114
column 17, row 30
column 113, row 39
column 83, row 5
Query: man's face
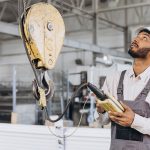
column 140, row 46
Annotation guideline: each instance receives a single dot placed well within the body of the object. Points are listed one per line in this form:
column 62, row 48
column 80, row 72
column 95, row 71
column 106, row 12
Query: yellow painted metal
column 42, row 100
column 44, row 30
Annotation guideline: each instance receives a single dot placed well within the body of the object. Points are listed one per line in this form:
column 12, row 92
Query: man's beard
column 141, row 53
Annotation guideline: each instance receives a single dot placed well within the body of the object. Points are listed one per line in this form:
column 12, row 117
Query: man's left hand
column 124, row 119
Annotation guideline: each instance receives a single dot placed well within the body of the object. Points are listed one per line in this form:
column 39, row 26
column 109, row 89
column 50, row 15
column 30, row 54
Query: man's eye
column 145, row 38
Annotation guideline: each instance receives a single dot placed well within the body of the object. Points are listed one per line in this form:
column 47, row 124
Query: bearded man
column 130, row 130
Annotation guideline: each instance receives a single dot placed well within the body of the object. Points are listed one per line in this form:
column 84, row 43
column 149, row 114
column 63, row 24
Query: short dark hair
column 144, row 30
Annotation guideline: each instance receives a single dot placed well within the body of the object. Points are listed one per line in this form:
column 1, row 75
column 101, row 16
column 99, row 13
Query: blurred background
column 97, row 37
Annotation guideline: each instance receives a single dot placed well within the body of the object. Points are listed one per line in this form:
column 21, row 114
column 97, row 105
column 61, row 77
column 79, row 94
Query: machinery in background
column 84, row 74
column 41, row 25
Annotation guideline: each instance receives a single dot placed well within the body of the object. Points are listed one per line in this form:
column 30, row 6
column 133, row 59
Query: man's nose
column 136, row 39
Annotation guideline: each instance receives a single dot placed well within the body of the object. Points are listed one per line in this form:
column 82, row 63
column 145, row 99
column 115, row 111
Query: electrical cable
column 68, row 104
column 76, row 128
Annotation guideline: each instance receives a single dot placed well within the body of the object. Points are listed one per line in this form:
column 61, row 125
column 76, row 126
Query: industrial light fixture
column 106, row 60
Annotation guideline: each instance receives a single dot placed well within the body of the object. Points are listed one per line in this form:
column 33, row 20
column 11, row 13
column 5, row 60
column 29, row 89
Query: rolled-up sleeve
column 141, row 124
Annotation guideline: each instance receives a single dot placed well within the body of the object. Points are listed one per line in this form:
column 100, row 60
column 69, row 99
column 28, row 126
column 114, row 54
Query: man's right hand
column 99, row 107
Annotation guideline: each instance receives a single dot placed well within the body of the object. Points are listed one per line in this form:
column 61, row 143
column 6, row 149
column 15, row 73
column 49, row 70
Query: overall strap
column 144, row 92
column 120, row 86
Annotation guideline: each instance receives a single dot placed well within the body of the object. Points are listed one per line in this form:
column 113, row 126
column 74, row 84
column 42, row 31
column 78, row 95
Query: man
column 130, row 130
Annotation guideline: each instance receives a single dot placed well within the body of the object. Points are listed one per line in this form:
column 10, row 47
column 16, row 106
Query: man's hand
column 124, row 119
column 98, row 106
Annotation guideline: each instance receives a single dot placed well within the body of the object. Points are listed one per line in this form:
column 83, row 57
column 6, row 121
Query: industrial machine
column 88, row 74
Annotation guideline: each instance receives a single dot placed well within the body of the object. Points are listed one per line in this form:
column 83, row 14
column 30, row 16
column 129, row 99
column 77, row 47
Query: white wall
column 31, row 137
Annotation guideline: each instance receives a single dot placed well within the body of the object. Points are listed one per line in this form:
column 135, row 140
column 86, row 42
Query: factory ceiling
column 132, row 13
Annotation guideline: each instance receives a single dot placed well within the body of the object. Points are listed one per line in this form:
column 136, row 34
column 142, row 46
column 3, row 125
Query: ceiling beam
column 94, row 48
column 88, row 14
column 2, row 11
column 123, row 7
column 4, row 0
column 12, row 29
column 9, row 28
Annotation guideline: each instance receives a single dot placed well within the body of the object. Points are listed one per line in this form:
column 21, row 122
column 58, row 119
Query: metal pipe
column 2, row 11
column 126, row 29
column 95, row 22
column 123, row 7
column 4, row 1
column 14, row 89
column 77, row 13
column 73, row 7
column 110, row 22
column 122, row 59
column 68, row 92
column 89, row 14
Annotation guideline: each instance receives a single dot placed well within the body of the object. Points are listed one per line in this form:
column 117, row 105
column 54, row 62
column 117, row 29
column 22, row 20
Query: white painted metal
column 31, row 137
column 89, row 139
column 9, row 28
column 59, row 130
column 91, row 76
column 123, row 7
column 14, row 89
column 3, row 0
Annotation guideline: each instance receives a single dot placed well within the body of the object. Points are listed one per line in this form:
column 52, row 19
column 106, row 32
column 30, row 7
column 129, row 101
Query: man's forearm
column 141, row 124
